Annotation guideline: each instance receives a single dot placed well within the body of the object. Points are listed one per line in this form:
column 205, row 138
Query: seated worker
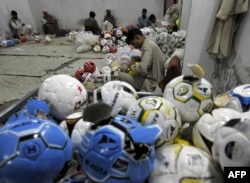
column 49, row 23
column 153, row 22
column 109, row 17
column 143, row 19
column 91, row 24
column 18, row 28
column 150, row 70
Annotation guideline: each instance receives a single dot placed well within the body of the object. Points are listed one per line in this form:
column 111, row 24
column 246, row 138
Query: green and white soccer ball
column 178, row 163
column 192, row 96
column 157, row 110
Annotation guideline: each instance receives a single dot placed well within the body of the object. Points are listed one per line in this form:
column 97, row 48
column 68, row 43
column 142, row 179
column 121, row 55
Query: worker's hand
column 43, row 21
column 132, row 62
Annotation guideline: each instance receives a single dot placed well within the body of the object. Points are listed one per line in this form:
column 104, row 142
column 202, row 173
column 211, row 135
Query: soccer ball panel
column 45, row 161
column 8, row 153
column 31, row 149
column 96, row 171
column 112, row 142
column 56, row 140
column 183, row 91
column 150, row 103
column 202, row 90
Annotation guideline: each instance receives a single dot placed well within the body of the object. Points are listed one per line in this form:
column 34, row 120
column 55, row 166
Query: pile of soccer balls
column 88, row 72
column 158, row 139
column 107, row 42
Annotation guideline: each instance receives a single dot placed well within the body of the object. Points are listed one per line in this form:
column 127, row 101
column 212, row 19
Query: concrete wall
column 236, row 69
column 224, row 75
column 69, row 12
column 185, row 14
column 202, row 16
column 23, row 9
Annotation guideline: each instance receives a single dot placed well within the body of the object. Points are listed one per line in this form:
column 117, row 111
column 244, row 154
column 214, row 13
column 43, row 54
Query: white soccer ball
column 206, row 128
column 47, row 39
column 105, row 49
column 103, row 42
column 232, row 145
column 118, row 94
column 157, row 110
column 118, row 33
column 192, row 96
column 76, row 128
column 97, row 48
column 177, row 163
column 106, row 70
column 37, row 38
column 65, row 95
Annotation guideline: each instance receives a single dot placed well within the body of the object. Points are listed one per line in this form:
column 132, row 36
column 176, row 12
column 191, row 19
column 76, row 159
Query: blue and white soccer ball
column 192, row 96
column 120, row 151
column 240, row 98
column 33, row 150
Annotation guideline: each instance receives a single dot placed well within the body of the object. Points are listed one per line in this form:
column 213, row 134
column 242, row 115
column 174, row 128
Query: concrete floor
column 23, row 67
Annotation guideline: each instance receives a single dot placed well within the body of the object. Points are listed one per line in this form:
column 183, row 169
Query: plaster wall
column 185, row 14
column 223, row 74
column 23, row 9
column 69, row 13
column 235, row 70
column 201, row 19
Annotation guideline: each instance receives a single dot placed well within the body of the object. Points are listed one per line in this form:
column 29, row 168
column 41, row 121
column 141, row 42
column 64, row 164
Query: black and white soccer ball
column 117, row 94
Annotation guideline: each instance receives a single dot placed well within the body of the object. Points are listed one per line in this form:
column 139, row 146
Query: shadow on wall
column 229, row 73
